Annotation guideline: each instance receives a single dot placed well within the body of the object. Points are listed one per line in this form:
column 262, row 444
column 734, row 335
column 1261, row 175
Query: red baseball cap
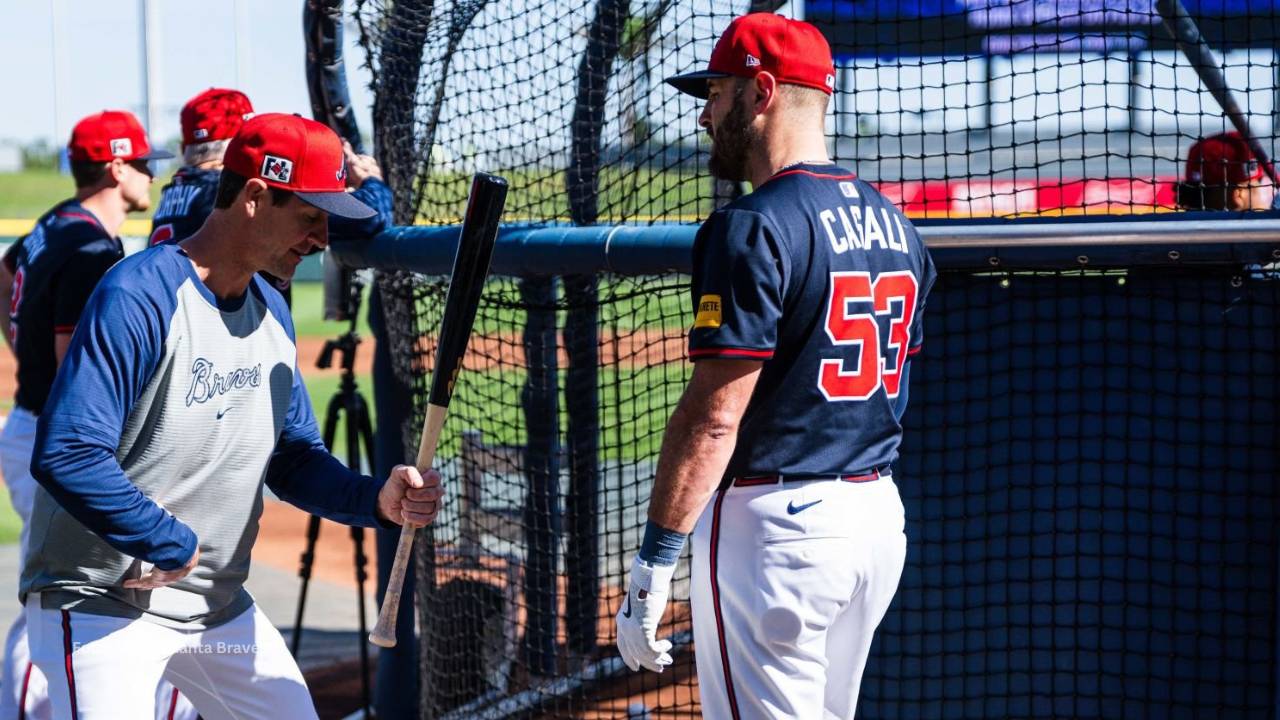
column 793, row 51
column 215, row 114
column 293, row 153
column 111, row 134
column 1220, row 160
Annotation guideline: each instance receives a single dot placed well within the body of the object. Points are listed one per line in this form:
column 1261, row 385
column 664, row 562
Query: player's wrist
column 661, row 546
column 653, row 579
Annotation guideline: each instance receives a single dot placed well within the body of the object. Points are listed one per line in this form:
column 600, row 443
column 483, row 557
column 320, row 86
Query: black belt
column 858, row 477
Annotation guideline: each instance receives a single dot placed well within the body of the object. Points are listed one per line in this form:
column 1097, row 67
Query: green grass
column 308, row 314
column 633, row 193
column 635, row 405
column 321, row 389
column 29, row 194
column 638, row 193
column 10, row 524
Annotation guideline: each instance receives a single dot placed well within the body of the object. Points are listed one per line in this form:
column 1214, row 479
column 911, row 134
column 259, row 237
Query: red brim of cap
column 341, row 204
column 695, row 83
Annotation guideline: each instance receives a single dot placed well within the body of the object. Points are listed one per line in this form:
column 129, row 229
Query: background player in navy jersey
column 47, row 277
column 179, row 398
column 808, row 295
column 209, row 121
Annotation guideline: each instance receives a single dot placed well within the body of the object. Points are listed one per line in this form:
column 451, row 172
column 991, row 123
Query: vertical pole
column 241, row 10
column 581, row 391
column 150, row 64
column 542, row 471
column 57, row 62
column 396, row 690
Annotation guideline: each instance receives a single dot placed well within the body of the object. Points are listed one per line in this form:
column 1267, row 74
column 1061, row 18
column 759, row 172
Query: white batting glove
column 637, row 620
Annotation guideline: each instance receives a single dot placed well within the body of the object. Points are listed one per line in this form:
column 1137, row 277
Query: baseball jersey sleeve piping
column 730, row 353
column 113, row 354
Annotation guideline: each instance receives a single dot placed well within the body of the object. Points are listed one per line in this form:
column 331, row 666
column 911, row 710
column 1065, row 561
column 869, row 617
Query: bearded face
column 732, row 139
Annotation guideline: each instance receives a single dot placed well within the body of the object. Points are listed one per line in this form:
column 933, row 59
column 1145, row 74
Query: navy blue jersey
column 822, row 279
column 55, row 269
column 184, row 204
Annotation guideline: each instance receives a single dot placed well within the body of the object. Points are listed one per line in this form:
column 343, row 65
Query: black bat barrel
column 470, row 268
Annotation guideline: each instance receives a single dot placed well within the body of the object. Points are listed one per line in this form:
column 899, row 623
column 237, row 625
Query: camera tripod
column 349, row 402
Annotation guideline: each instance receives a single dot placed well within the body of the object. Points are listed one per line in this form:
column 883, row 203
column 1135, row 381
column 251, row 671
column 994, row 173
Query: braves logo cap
column 1220, row 160
column 111, row 134
column 293, row 153
column 215, row 114
column 793, row 51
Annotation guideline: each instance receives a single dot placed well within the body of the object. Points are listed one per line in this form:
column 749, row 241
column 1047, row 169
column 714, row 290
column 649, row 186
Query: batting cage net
column 1089, row 461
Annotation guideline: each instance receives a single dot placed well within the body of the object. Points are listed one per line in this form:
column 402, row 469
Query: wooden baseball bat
column 1186, row 35
column 470, row 268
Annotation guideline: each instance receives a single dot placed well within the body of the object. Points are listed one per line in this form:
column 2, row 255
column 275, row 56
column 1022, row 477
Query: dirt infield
column 282, row 536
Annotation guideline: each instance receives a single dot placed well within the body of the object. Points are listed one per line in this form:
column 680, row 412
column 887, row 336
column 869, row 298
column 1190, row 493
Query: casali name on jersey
column 858, row 227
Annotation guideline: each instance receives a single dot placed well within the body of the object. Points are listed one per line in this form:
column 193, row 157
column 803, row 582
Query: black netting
column 1089, row 464
column 955, row 109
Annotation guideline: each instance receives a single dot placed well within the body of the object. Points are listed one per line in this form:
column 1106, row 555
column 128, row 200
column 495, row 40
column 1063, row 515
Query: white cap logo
column 201, row 133
column 831, row 80
column 120, row 147
column 752, row 61
column 277, row 168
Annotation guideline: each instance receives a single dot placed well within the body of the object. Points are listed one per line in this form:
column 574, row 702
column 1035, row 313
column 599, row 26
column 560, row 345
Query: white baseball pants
column 789, row 581
column 105, row 668
column 24, row 693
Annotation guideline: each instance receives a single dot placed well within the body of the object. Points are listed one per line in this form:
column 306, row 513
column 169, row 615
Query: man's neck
column 785, row 149
column 218, row 261
column 209, row 165
column 107, row 206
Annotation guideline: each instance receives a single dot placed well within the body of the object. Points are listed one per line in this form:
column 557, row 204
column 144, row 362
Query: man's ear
column 115, row 170
column 1240, row 197
column 766, row 87
column 254, row 196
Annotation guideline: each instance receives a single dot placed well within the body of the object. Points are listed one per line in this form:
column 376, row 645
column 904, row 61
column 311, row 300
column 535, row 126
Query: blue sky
column 95, row 60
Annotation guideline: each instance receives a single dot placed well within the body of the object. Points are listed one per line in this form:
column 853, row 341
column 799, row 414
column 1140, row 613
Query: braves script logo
column 207, row 384
column 277, row 168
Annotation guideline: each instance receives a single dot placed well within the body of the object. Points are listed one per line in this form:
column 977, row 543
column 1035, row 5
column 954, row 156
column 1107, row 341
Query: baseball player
column 808, row 295
column 1223, row 174
column 209, row 121
column 47, row 276
column 179, row 397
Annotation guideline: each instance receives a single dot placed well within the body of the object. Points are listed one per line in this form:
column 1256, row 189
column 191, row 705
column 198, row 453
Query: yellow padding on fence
column 16, row 227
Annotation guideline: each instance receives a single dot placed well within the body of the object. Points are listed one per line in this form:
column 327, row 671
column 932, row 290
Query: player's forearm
column 377, row 195
column 310, row 478
column 695, row 451
column 82, row 475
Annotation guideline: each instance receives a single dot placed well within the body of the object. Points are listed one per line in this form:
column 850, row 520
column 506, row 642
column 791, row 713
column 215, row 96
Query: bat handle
column 384, row 632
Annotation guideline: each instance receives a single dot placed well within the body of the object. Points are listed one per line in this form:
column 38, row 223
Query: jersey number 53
column 891, row 297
